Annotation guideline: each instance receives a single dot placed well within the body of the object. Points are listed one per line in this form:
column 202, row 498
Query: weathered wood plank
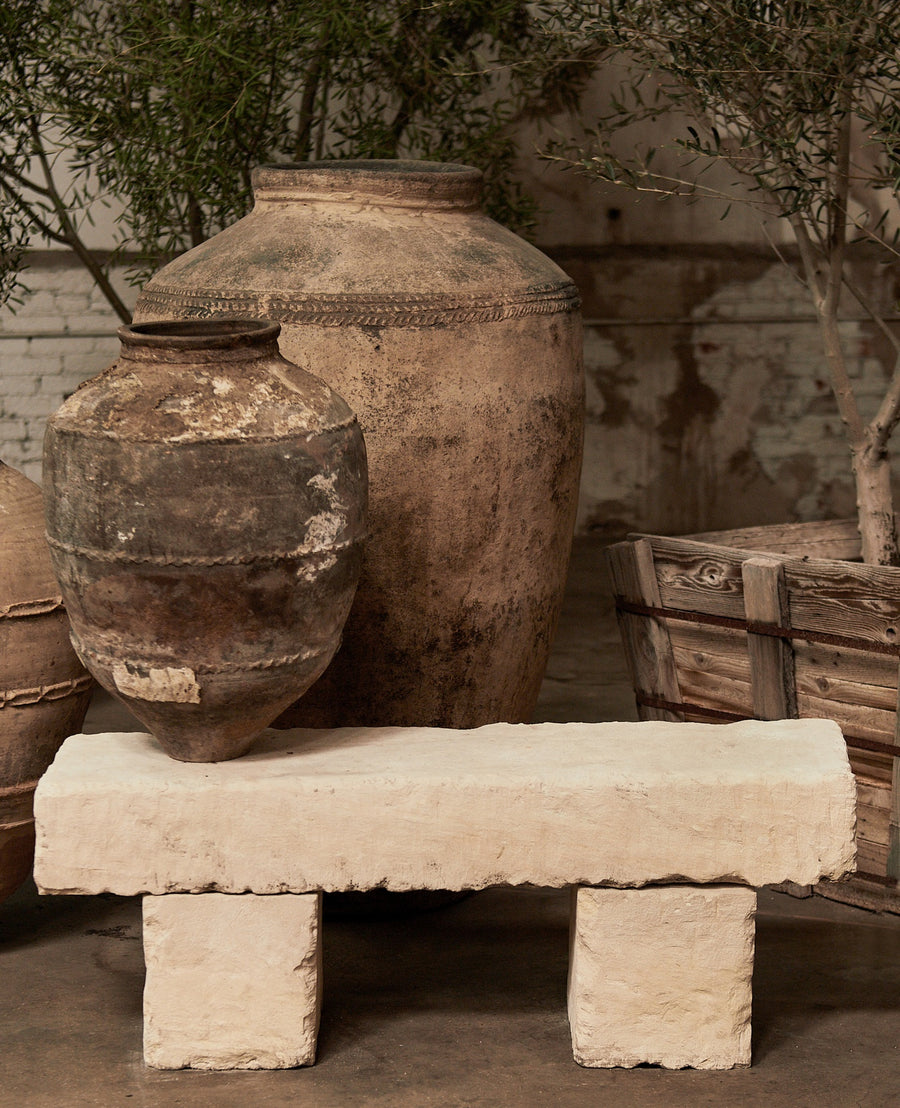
column 835, row 538
column 838, row 598
column 820, row 670
column 872, row 824
column 871, row 857
column 725, row 667
column 870, row 768
column 833, row 597
column 771, row 659
column 834, row 687
column 719, row 650
column 854, row 719
column 697, row 578
column 645, row 638
column 854, row 667
column 874, row 796
column 707, row 688
column 873, row 812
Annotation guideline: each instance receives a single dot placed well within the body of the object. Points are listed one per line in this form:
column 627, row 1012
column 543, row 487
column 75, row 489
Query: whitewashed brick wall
column 63, row 333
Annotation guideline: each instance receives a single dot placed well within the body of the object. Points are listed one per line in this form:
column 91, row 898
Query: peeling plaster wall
column 709, row 403
column 708, row 400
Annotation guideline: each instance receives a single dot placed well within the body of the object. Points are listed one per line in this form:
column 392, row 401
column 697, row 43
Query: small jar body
column 44, row 689
column 205, row 511
column 459, row 346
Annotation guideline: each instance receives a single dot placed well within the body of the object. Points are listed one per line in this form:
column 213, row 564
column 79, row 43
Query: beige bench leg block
column 232, row 980
column 662, row 975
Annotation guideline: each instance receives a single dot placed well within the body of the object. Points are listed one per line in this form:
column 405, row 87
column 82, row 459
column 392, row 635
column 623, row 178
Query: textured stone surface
column 232, row 981
column 406, row 808
column 662, row 976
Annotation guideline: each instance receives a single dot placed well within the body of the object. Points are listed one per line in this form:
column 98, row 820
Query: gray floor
column 464, row 1005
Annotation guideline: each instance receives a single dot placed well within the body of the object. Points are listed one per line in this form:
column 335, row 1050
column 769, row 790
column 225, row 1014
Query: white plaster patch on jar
column 324, row 528
column 170, row 684
column 310, row 570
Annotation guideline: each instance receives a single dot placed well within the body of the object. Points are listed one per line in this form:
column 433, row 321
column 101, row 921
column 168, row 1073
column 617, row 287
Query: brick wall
column 63, row 333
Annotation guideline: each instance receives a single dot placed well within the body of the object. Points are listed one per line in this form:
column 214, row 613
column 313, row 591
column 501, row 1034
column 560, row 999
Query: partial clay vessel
column 205, row 512
column 459, row 346
column 44, row 689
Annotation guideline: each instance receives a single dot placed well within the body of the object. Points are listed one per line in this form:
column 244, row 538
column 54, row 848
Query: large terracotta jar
column 205, row 504
column 459, row 346
column 44, row 689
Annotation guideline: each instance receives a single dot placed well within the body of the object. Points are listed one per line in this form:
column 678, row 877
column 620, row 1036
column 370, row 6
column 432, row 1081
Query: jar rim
column 199, row 334
column 393, row 181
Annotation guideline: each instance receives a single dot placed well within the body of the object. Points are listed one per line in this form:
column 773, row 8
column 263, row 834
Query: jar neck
column 199, row 340
column 439, row 186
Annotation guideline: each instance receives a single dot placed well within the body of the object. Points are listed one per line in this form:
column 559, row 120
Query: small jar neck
column 439, row 186
column 199, row 341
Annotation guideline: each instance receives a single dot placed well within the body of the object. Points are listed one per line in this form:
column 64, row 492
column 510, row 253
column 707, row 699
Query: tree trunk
column 872, row 470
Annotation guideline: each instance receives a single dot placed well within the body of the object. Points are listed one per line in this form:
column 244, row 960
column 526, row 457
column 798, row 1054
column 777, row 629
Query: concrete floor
column 464, row 1005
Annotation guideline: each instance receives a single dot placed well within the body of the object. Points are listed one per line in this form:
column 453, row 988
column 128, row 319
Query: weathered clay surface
column 44, row 689
column 459, row 346
column 232, row 981
column 421, row 808
column 206, row 512
column 662, row 976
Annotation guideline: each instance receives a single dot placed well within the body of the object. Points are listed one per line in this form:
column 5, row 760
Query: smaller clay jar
column 205, row 503
column 44, row 690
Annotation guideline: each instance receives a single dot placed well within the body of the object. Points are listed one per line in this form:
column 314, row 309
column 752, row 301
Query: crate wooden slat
column 710, row 688
column 646, row 640
column 771, row 659
column 718, row 648
column 725, row 615
column 835, row 539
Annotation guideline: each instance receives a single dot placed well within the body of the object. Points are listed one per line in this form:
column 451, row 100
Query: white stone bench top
column 624, row 804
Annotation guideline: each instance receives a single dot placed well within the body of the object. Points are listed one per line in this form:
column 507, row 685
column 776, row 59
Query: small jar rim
column 198, row 334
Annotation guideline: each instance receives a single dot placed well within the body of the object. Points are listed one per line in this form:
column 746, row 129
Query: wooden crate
column 772, row 623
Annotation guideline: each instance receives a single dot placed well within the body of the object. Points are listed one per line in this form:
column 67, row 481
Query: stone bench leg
column 662, row 975
column 233, row 981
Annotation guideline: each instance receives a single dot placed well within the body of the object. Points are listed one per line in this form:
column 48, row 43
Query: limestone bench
column 663, row 830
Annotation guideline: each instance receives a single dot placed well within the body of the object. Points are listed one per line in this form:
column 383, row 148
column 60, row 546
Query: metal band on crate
column 648, row 700
column 773, row 630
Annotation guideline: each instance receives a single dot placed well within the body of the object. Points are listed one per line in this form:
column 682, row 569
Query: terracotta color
column 205, row 512
column 44, row 690
column 459, row 346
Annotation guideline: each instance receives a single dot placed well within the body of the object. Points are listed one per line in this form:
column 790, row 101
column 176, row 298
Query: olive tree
column 800, row 97
column 36, row 199
column 165, row 106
